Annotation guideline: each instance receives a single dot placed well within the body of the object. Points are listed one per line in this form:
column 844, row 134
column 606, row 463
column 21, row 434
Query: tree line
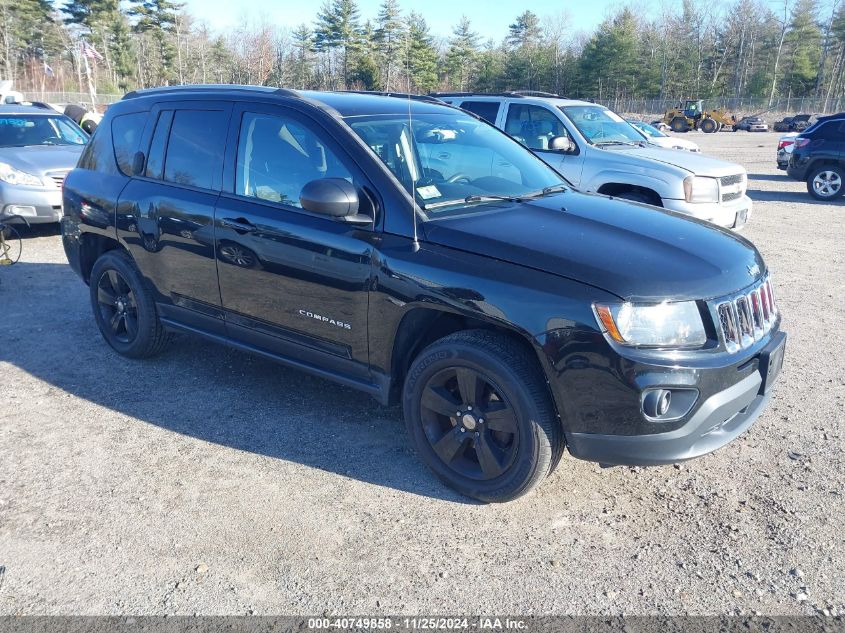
column 753, row 48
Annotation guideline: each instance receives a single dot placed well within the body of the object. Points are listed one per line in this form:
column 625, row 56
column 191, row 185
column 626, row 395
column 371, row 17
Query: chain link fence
column 82, row 98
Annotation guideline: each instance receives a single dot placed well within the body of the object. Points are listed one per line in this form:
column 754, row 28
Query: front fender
column 666, row 186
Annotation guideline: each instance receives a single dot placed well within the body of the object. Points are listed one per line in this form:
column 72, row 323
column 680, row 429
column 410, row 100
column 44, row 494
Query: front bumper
column 602, row 401
column 730, row 215
column 41, row 205
column 722, row 418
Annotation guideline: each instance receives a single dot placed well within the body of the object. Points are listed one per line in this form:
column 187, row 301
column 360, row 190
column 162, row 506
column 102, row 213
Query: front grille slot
column 736, row 184
column 58, row 177
column 746, row 317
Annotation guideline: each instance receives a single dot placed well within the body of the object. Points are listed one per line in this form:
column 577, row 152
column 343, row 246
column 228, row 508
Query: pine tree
column 389, row 41
column 303, row 44
column 365, row 71
column 803, row 42
column 461, row 57
column 157, row 18
column 338, row 28
column 524, row 37
column 421, row 56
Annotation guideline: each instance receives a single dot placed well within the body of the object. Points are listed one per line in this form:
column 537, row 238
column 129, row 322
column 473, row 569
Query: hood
column 41, row 159
column 634, row 251
column 692, row 162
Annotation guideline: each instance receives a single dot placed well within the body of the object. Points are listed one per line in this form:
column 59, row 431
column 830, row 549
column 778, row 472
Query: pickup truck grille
column 732, row 187
column 747, row 317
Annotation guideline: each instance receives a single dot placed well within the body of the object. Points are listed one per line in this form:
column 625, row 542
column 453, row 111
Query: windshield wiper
column 473, row 198
column 628, row 143
column 545, row 191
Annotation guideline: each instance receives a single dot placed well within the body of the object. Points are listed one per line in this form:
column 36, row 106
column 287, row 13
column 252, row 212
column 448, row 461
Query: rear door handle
column 241, row 225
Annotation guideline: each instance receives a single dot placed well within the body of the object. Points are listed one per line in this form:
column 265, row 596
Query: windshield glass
column 451, row 160
column 19, row 130
column 601, row 126
column 648, row 130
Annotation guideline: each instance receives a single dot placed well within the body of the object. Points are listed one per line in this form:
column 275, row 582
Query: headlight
column 17, row 177
column 701, row 189
column 653, row 325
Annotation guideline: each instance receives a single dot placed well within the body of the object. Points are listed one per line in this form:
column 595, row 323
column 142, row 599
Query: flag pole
column 91, row 90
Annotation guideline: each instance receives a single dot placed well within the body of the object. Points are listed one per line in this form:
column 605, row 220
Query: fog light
column 656, row 403
column 21, row 210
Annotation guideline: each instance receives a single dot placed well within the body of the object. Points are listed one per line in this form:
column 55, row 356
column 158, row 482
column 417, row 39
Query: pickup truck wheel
column 124, row 308
column 479, row 414
column 826, row 182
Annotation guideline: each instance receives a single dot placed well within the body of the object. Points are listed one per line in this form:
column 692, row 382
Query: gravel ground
column 210, row 481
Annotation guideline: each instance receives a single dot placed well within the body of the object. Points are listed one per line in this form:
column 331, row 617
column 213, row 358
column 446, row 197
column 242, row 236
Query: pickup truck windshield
column 17, row 130
column 451, row 160
column 601, row 126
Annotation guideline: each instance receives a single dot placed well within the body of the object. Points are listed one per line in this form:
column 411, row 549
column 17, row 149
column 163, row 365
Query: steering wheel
column 456, row 177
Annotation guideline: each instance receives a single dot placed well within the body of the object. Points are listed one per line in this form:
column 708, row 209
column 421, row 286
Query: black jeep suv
column 413, row 251
column 818, row 157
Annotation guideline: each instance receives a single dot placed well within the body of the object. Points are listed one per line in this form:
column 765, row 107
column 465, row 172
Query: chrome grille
column 747, row 317
column 735, row 186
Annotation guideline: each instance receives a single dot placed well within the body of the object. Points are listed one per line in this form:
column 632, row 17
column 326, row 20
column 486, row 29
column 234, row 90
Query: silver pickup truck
column 598, row 151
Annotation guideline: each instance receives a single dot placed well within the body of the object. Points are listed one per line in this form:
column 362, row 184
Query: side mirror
column 334, row 197
column 561, row 144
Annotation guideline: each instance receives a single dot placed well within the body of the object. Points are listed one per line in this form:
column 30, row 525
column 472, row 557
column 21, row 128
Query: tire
column 826, row 182
column 638, row 196
column 708, row 126
column 124, row 308
column 679, row 124
column 476, row 372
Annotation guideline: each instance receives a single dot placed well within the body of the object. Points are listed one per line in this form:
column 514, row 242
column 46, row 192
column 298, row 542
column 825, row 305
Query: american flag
column 90, row 52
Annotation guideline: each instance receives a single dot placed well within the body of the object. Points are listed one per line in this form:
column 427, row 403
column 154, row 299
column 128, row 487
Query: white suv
column 598, row 151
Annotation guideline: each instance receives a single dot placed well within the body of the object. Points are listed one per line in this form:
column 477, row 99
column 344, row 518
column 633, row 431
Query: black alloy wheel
column 117, row 306
column 469, row 424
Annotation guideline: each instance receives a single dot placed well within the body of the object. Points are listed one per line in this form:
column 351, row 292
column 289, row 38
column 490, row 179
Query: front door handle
column 241, row 225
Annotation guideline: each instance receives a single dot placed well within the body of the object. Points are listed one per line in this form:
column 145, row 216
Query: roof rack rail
column 142, row 92
column 534, row 93
column 400, row 95
column 474, row 94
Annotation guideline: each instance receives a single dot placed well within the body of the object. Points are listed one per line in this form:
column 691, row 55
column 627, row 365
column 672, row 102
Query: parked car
column 598, row 151
column 656, row 137
column 786, row 143
column 818, row 157
column 511, row 315
column 38, row 147
column 797, row 123
column 661, row 125
column 751, row 124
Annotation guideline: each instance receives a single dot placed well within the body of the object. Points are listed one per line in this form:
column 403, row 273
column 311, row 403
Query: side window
column 487, row 110
column 195, row 149
column 126, row 131
column 832, row 131
column 155, row 160
column 533, row 126
column 278, row 156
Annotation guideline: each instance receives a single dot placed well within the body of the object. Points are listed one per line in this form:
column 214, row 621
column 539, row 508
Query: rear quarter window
column 126, row 131
column 487, row 110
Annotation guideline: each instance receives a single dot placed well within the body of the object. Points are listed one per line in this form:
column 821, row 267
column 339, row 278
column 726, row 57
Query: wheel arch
column 422, row 325
column 616, row 188
column 92, row 246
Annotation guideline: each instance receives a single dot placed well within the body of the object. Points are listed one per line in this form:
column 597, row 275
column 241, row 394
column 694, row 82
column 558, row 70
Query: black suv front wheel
column 480, row 416
column 826, row 182
column 124, row 308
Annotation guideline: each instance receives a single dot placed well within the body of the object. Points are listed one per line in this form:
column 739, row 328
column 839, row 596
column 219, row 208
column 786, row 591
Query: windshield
column 648, row 130
column 601, row 126
column 19, row 130
column 451, row 160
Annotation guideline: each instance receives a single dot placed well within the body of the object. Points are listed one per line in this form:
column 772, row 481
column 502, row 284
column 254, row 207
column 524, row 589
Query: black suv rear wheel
column 479, row 414
column 124, row 308
column 826, row 182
